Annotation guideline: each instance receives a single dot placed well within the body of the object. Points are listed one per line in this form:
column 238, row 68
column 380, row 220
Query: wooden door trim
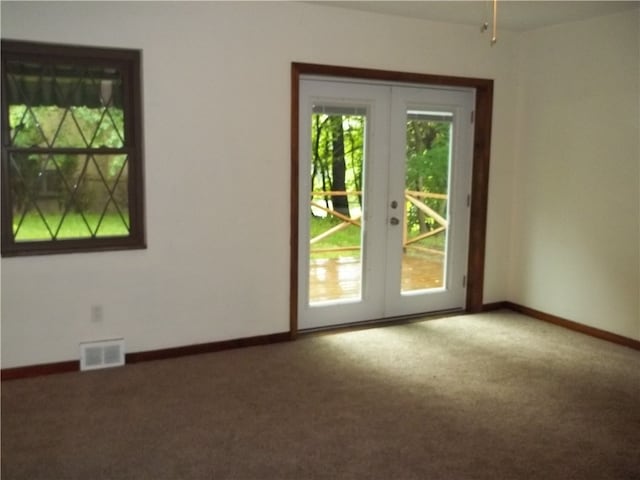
column 480, row 170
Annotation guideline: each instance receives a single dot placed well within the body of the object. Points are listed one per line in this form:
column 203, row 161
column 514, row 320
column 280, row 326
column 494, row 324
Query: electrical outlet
column 97, row 313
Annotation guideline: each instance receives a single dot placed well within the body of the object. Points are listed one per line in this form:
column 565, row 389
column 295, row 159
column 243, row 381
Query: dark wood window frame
column 480, row 171
column 128, row 62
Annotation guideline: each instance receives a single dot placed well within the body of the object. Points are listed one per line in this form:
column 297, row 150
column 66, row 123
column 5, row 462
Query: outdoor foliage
column 337, row 149
column 427, row 167
column 66, row 192
column 338, row 164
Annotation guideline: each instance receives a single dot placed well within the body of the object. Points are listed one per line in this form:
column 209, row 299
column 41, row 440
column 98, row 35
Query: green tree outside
column 427, row 170
column 64, row 195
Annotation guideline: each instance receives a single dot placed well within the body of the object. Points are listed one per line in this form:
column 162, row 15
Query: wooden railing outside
column 413, row 197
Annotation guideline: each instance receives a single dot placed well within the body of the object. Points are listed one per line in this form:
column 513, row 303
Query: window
column 71, row 149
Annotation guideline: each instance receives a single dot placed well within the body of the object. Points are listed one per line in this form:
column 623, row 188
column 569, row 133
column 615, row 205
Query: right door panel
column 428, row 211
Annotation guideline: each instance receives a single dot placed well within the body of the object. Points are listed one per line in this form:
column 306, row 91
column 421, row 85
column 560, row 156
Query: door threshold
column 380, row 322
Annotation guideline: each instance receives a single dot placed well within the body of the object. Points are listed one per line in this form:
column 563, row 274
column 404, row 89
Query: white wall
column 576, row 232
column 216, row 102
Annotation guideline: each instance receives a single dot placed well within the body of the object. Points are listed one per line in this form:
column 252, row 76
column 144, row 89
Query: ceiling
column 512, row 14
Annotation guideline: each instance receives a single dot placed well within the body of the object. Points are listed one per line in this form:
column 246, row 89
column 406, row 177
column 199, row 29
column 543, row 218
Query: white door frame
column 480, row 176
column 386, row 107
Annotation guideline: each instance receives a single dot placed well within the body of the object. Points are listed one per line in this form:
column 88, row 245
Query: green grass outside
column 33, row 228
column 350, row 237
column 73, row 226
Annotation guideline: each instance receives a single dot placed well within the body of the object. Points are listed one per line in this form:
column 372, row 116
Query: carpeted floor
column 490, row 396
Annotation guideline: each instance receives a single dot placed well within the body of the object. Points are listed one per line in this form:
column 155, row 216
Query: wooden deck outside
column 339, row 278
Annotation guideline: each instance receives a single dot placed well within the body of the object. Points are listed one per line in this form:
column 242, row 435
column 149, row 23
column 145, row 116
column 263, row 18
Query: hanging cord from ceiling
column 485, row 23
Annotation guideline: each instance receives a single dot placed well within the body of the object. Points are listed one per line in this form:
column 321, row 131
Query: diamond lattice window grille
column 73, row 149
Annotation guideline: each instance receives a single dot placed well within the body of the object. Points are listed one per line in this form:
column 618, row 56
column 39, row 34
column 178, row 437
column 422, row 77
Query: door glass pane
column 336, row 202
column 428, row 159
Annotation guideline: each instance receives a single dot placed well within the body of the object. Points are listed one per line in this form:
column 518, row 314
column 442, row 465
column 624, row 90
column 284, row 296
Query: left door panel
column 344, row 132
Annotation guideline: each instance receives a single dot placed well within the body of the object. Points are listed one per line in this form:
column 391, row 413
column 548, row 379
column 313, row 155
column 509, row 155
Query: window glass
column 72, row 151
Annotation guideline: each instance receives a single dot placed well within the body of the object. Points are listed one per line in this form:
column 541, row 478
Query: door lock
column 394, row 221
column 394, row 204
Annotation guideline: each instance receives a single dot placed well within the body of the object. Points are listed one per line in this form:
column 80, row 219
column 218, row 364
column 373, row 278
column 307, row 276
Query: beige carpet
column 491, row 396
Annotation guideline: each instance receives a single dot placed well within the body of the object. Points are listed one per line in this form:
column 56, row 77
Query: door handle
column 394, row 221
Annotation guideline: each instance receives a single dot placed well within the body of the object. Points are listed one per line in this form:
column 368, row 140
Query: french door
column 383, row 200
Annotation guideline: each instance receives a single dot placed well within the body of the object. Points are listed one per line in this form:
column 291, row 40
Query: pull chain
column 494, row 37
column 485, row 24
